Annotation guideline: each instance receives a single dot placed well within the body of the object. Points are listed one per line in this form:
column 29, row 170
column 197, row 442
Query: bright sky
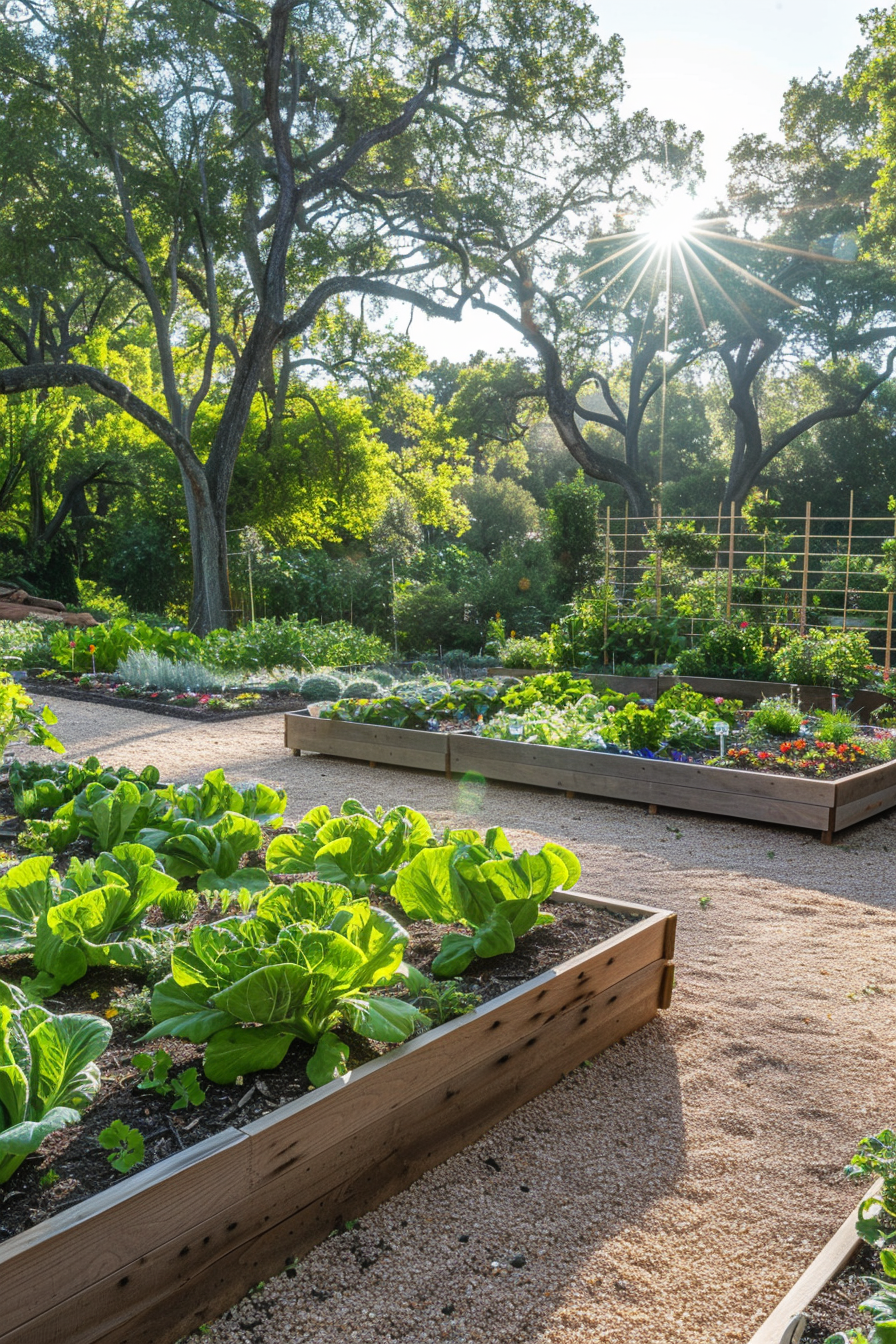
column 714, row 65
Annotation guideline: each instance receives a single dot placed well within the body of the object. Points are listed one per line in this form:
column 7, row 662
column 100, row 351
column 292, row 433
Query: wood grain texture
column 673, row 775
column 200, row 1232
column 827, row 1264
column 866, row 782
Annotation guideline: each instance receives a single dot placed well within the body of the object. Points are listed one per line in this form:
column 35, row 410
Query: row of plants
column 739, row 649
column 559, row 709
column 300, row 953
column 265, row 646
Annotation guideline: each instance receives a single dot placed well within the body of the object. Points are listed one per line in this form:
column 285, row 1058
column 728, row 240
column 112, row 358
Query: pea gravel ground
column 677, row 1186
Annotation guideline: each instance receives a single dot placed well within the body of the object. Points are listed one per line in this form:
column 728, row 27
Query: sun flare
column 669, row 222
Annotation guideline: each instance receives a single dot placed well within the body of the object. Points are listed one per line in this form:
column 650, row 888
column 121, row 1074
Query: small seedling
column 770, row 853
column 49, row 1178
column 156, row 1069
column 705, row 902
column 125, row 1145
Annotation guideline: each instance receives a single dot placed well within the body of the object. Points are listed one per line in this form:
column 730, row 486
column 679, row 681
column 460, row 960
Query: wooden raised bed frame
column 780, row 1326
column 826, row 806
column 168, row 1249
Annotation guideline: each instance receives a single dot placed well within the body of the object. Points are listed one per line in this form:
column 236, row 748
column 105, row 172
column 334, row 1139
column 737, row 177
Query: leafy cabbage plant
column 37, row 787
column 358, row 849
column 481, row 885
column 303, row 964
column 107, row 816
column 93, row 918
column 208, row 801
column 189, row 848
column 47, row 1073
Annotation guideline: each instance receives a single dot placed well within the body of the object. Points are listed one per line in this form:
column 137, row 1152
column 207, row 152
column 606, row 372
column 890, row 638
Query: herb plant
column 125, row 1146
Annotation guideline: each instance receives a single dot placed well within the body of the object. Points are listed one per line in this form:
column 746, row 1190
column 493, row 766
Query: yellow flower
column 111, row 1012
column 95, row 994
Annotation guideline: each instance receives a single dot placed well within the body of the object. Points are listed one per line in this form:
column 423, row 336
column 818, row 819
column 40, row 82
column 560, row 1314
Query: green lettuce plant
column 37, row 787
column 207, row 802
column 47, row 1073
column 357, row 848
column 94, row 918
column 190, row 848
column 248, row 999
column 481, row 885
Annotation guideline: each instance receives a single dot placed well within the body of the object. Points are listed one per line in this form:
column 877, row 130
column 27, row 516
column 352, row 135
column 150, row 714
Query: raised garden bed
column 827, row 806
column 164, row 1251
column 805, row 1313
column 272, row 702
column 732, row 688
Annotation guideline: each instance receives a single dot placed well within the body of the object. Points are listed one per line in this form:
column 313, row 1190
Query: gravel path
column 679, row 1184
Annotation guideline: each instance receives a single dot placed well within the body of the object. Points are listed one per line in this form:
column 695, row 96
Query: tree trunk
column 210, row 607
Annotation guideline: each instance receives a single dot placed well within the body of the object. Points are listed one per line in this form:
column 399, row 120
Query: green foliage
column 189, row 848
column 37, row 787
column 156, row 1070
column 208, row 801
column 730, row 649
column 271, row 644
column 825, row 658
column 430, row 615
column 302, row 966
column 526, row 651
column 47, row 1073
column 550, row 688
column 114, row 641
column 837, row 727
column 390, row 711
column 501, row 511
column 481, row 885
column 439, row 1000
column 94, row 917
column 574, row 527
column 774, row 717
column 19, row 722
column 355, row 849
column 124, row 1145
column 361, row 689
column 876, row 1160
column 636, row 727
column 25, row 644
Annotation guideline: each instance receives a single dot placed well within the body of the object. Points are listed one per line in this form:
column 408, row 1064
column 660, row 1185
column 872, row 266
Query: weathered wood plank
column 102, row 1274
column 866, row 782
column 483, row 754
column 390, row 1157
column 830, row 1260
column 97, row 1238
column 863, row 808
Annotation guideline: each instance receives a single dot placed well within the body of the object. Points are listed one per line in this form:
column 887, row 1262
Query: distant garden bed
column 242, row 705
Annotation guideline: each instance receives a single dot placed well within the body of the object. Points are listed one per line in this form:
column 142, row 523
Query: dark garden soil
column 272, row 702
column 835, row 1307
column 71, row 1164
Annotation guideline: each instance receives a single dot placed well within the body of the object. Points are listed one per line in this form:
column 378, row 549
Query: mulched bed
column 272, row 702
column 835, row 1307
column 73, row 1166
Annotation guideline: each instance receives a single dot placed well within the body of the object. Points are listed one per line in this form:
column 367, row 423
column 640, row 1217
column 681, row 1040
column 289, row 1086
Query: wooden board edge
column 218, row 1284
column 827, row 1264
column 96, row 1206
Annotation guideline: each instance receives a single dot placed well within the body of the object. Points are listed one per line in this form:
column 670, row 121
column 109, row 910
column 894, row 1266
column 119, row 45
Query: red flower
column 744, row 624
